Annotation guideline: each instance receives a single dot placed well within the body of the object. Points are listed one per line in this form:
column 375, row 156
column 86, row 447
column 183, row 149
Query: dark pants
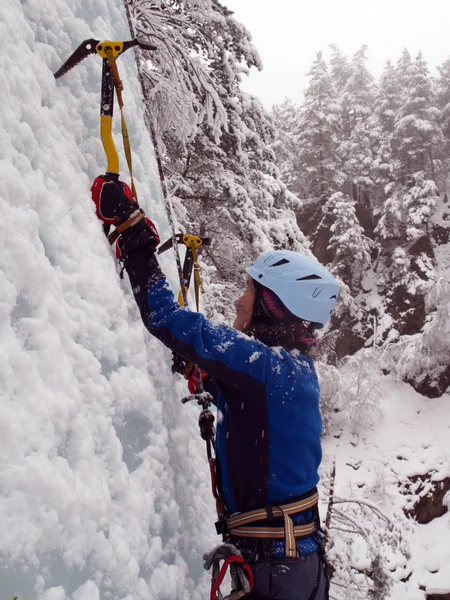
column 289, row 579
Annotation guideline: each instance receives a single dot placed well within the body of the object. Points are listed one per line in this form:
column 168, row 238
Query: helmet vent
column 309, row 277
column 283, row 261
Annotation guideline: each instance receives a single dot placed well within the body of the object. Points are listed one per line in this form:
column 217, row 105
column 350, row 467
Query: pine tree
column 403, row 73
column 388, row 98
column 340, row 69
column 387, row 103
column 420, row 203
column 383, row 165
column 357, row 148
column 286, row 117
column 350, row 246
column 317, row 135
column 418, row 139
column 391, row 224
column 443, row 99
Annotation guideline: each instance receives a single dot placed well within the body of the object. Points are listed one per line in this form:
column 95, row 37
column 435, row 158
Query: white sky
column 288, row 33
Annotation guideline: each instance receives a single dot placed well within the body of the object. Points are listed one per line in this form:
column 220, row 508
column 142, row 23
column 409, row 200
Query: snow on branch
column 179, row 80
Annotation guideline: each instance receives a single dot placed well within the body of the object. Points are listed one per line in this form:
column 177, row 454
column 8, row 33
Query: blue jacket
column 268, row 422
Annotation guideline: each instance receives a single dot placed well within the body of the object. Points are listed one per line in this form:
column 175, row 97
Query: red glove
column 114, row 204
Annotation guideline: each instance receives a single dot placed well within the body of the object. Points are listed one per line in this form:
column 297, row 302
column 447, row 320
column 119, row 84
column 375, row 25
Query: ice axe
column 109, row 51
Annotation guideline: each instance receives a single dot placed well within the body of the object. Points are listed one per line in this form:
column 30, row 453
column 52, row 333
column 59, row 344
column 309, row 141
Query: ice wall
column 104, row 489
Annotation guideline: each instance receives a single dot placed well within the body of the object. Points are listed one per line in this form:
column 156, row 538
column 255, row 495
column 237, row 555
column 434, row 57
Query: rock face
column 402, row 295
column 430, row 504
column 437, row 597
column 432, row 387
column 407, row 310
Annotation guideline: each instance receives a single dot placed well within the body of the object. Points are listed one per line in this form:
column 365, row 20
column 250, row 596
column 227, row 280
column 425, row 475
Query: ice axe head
column 92, row 46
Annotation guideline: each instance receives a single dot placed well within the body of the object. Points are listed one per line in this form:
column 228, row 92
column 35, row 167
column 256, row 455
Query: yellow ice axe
column 109, row 51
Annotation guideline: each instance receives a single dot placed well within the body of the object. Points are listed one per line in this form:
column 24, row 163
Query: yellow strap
column 197, row 281
column 125, row 137
column 289, row 540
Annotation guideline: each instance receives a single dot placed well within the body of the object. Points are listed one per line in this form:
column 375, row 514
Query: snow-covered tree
column 383, row 166
column 403, row 72
column 400, row 272
column 442, row 89
column 222, row 174
column 388, row 98
column 286, row 116
column 177, row 78
column 339, row 69
column 356, row 148
column 317, row 135
column 386, row 195
column 420, row 203
column 418, row 138
column 350, row 246
column 390, row 226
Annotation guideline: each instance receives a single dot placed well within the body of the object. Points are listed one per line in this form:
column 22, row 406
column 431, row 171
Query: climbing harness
column 242, row 525
column 242, row 580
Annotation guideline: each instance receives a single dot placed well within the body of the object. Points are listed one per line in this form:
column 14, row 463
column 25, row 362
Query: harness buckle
column 221, row 527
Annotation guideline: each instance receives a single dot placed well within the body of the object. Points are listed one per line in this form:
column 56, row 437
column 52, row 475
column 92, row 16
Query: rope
column 167, row 199
column 168, row 205
column 166, row 195
column 242, row 580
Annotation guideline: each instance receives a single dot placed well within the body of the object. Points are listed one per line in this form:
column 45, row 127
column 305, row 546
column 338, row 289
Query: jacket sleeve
column 223, row 352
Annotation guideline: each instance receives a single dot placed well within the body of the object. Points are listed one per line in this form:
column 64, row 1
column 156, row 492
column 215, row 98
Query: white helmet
column 304, row 286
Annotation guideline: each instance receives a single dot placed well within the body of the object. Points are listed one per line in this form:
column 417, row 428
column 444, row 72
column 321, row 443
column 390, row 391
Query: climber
column 263, row 380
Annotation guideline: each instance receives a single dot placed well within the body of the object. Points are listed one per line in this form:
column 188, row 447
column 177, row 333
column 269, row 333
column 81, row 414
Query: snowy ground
column 408, row 437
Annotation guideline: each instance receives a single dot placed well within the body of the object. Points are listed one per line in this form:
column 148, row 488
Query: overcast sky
column 288, row 33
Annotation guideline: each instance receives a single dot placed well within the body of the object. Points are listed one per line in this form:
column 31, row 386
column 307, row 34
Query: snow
column 372, row 465
column 104, row 489
column 254, row 356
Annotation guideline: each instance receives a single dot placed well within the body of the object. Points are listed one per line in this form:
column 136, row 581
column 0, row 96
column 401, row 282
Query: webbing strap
column 135, row 218
column 277, row 511
column 197, row 281
column 238, row 525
